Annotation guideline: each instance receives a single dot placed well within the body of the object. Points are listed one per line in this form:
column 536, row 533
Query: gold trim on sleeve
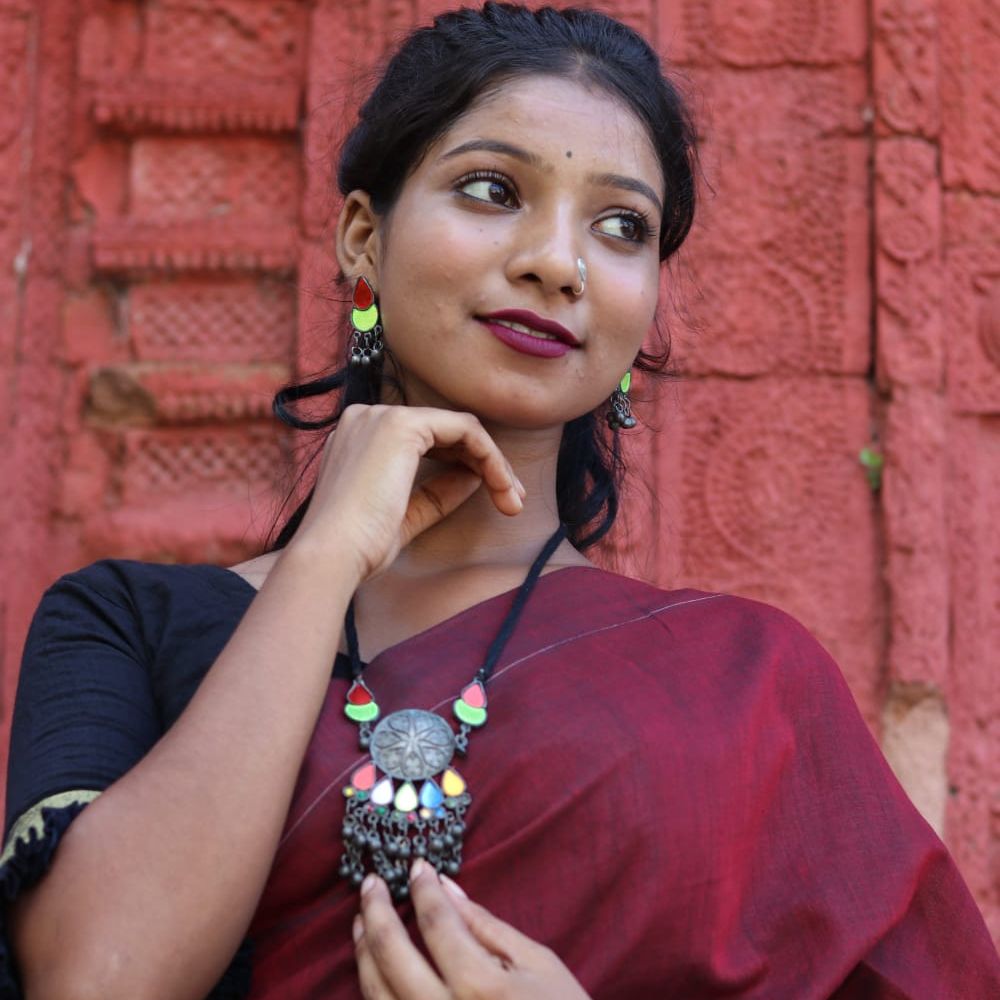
column 31, row 819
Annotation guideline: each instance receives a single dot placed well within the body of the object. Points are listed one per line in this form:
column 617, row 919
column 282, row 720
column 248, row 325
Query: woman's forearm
column 154, row 884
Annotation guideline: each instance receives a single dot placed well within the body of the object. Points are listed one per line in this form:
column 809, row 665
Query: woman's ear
column 357, row 238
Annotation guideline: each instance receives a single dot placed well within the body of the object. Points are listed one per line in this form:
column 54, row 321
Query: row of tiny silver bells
column 367, row 346
column 619, row 415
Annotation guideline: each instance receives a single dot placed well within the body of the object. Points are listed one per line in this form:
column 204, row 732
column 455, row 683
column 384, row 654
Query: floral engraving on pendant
column 412, row 744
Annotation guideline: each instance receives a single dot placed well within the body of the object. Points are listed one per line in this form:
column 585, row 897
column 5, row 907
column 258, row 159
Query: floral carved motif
column 764, row 32
column 908, row 265
column 780, row 260
column 970, row 124
column 972, row 276
column 905, row 63
column 772, row 500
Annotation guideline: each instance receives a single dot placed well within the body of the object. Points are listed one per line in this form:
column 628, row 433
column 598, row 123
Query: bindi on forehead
column 569, row 154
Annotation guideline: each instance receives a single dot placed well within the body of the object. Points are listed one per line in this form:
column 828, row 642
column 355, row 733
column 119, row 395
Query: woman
column 666, row 793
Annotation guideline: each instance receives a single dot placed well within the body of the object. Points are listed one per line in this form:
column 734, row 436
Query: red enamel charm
column 359, row 694
column 474, row 694
column 364, row 777
column 363, row 294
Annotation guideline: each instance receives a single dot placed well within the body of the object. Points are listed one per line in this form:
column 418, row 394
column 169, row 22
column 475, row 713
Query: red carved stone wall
column 165, row 211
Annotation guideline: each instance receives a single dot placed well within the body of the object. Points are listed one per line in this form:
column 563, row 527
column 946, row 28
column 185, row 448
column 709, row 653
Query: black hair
column 432, row 79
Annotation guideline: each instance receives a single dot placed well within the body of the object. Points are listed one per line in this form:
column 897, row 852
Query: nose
column 545, row 251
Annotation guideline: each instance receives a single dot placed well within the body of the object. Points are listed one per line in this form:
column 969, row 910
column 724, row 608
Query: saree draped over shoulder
column 674, row 791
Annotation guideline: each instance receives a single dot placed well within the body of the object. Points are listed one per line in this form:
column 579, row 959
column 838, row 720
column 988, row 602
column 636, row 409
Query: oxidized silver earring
column 366, row 338
column 581, row 268
column 620, row 411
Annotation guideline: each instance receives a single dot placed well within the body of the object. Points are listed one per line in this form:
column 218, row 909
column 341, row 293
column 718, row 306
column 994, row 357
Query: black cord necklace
column 408, row 801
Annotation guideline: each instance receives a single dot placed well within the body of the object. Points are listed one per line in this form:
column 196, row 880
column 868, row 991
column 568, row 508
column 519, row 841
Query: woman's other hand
column 366, row 491
column 477, row 955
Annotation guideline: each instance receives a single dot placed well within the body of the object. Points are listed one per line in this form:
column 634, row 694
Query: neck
column 477, row 532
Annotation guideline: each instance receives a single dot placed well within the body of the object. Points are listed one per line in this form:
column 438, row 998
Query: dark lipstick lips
column 526, row 318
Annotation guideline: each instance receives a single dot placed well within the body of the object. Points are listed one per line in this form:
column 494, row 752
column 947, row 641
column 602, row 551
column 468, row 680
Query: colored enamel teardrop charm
column 383, row 792
column 363, row 778
column 452, row 783
column 470, row 707
column 474, row 694
column 361, row 705
column 431, row 795
column 626, row 382
column 406, row 798
column 363, row 294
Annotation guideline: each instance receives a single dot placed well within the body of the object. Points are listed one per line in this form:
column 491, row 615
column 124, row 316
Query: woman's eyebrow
column 627, row 184
column 534, row 160
column 497, row 146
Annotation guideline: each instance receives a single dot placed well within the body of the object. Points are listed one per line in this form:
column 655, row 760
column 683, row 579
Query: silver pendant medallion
column 407, row 802
column 412, row 744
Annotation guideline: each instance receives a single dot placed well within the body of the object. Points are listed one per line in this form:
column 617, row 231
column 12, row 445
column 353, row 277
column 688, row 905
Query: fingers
column 463, row 438
column 373, row 985
column 495, row 935
column 389, row 965
column 367, row 489
column 461, row 958
column 435, row 498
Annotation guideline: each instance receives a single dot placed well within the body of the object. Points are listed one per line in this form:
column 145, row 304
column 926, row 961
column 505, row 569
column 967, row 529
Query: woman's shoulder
column 140, row 600
column 129, row 582
column 724, row 630
column 697, row 607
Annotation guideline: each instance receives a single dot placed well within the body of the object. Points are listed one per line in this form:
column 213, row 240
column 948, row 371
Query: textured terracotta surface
column 165, row 226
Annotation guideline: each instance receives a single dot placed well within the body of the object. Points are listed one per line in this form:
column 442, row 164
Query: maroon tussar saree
column 675, row 791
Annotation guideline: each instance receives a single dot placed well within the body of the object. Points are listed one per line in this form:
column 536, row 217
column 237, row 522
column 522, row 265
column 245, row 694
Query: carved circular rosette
column 412, row 744
column 760, row 317
column 758, row 483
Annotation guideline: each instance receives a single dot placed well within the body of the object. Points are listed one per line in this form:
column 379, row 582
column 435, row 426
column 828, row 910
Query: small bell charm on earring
column 620, row 412
column 366, row 338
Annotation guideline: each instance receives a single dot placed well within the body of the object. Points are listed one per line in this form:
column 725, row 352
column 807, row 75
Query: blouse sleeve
column 84, row 714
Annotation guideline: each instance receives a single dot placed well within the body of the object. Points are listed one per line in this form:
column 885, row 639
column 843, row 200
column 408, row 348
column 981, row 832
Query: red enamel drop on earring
column 363, row 294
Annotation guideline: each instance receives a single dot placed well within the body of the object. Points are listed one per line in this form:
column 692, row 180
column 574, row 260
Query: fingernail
column 368, row 884
column 454, row 887
column 520, row 487
column 358, row 929
column 417, row 869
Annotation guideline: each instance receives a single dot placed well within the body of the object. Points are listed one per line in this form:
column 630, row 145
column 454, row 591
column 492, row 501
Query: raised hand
column 477, row 956
column 365, row 491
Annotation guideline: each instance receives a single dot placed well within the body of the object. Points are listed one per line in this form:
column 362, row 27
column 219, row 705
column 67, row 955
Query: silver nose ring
column 581, row 268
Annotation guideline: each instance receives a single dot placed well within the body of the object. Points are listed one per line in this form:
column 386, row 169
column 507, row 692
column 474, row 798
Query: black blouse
column 114, row 653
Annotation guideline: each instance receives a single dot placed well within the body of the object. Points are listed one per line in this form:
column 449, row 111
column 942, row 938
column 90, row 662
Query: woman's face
column 541, row 173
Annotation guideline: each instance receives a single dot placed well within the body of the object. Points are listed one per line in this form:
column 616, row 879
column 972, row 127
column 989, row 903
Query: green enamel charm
column 466, row 713
column 626, row 382
column 361, row 713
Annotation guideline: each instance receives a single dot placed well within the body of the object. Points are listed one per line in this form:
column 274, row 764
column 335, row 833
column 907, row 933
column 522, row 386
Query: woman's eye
column 494, row 190
column 629, row 227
